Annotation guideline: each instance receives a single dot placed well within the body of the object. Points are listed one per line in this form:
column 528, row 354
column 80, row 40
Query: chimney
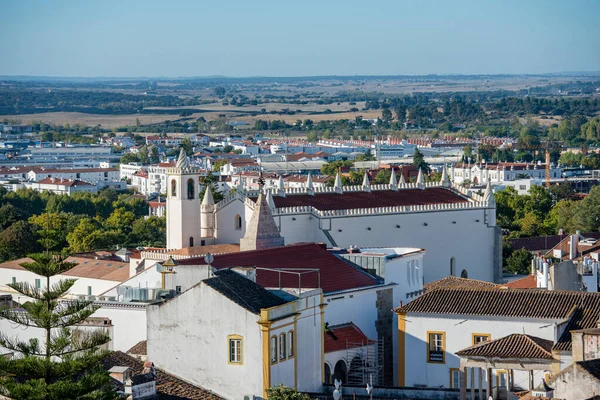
column 120, row 373
column 353, row 250
column 573, row 246
column 545, row 272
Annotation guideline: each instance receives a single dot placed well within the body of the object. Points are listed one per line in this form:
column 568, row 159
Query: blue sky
column 297, row 38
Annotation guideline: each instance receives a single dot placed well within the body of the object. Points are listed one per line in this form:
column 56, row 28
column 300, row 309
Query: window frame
column 38, row 283
column 474, row 335
column 291, row 346
column 499, row 373
column 443, row 350
column 231, row 340
column 173, row 188
column 274, row 350
column 282, row 346
column 452, row 371
column 191, row 190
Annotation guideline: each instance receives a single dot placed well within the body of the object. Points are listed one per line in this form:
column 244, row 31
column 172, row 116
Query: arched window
column 340, row 371
column 290, row 339
column 173, row 188
column 273, row 349
column 191, row 241
column 238, row 222
column 282, row 347
column 327, row 373
column 452, row 266
column 191, row 189
column 464, row 274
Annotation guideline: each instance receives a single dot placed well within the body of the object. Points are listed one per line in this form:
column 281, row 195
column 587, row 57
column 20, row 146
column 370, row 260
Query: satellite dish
column 209, row 258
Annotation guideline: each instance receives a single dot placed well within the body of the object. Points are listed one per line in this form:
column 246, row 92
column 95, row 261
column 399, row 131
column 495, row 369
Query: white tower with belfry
column 183, row 204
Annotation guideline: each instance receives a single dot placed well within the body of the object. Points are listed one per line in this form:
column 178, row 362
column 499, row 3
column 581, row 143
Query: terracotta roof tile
column 516, row 345
column 111, row 270
column 528, row 282
column 378, row 198
column 140, row 348
column 335, row 274
column 63, row 182
column 344, row 336
column 452, row 282
column 580, row 308
column 167, row 386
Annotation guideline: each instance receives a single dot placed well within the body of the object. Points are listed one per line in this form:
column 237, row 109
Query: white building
column 458, row 230
column 444, row 321
column 497, row 173
column 94, row 176
column 266, row 340
column 62, row 186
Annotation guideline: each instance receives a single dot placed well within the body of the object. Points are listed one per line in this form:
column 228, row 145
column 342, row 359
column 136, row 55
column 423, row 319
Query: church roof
column 377, row 198
column 335, row 274
column 243, row 291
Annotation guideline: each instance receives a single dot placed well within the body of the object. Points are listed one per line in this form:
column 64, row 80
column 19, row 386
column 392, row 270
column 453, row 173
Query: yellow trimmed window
column 273, row 349
column 436, row 347
column 290, row 338
column 480, row 338
column 455, row 378
column 235, row 344
column 282, row 347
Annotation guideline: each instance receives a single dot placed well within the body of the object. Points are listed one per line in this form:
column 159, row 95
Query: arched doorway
column 340, row 372
column 327, row 370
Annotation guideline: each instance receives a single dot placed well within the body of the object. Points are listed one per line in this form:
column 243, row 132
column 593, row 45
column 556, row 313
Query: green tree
column 285, row 393
column 519, row 262
column 587, row 212
column 332, row 167
column 9, row 214
column 186, row 144
column 17, row 240
column 419, row 161
column 149, row 231
column 561, row 217
column 383, row 176
column 562, row 191
column 61, row 366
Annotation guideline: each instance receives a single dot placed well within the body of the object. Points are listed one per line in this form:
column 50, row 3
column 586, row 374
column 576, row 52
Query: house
column 62, row 186
column 498, row 173
column 94, row 176
column 268, row 338
column 435, row 327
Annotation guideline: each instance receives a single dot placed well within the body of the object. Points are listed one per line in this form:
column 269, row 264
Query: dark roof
column 345, row 336
column 140, row 348
column 335, row 274
column 167, row 386
column 592, row 367
column 452, row 282
column 516, row 345
column 582, row 309
column 376, row 198
column 243, row 291
column 536, row 243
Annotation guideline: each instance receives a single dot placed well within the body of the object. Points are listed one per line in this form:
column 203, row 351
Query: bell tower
column 183, row 204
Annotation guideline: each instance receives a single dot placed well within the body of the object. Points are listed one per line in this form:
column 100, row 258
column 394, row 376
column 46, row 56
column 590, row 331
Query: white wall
column 199, row 353
column 129, row 323
column 459, row 332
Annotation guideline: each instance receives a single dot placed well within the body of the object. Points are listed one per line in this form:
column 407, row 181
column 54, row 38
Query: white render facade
column 480, row 174
column 90, row 175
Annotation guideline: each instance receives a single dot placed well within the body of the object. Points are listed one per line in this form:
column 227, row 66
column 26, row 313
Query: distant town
column 429, row 237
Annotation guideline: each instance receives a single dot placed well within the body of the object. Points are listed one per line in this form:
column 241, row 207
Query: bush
column 519, row 262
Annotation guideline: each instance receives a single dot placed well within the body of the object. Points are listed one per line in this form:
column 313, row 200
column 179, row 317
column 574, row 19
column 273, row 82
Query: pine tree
column 63, row 366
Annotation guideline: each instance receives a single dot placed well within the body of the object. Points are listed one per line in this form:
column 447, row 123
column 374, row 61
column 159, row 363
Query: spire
column 445, row 181
column 366, row 184
column 270, row 201
column 488, row 195
column 393, row 180
column 208, row 197
column 338, row 183
column 402, row 181
column 182, row 161
column 262, row 232
column 309, row 182
column 421, row 179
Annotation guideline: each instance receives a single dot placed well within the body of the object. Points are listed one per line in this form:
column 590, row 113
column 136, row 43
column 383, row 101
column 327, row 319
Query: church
column 457, row 229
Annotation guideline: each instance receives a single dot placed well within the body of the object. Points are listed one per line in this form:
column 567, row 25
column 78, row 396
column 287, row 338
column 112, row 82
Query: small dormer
column 121, row 373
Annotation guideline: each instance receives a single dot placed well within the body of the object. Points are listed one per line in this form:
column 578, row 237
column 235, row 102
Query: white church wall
column 458, row 332
column 357, row 306
column 227, row 230
column 200, row 353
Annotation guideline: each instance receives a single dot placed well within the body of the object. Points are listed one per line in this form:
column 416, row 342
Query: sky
column 240, row 38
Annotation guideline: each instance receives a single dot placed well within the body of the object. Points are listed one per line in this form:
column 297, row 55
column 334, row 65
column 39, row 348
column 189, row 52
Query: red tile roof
column 528, row 282
column 335, row 274
column 378, row 198
column 64, row 182
column 453, row 282
column 344, row 336
column 516, row 345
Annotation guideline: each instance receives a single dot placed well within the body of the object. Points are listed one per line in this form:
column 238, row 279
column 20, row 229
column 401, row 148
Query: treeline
column 81, row 222
column 22, row 101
